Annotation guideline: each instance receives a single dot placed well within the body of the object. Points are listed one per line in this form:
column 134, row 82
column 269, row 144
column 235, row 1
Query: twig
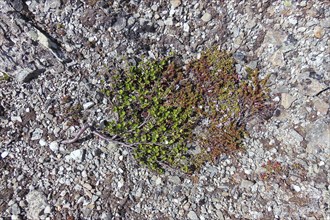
column 82, row 130
column 106, row 138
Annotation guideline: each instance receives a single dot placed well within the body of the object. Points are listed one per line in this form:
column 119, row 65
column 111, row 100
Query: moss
column 158, row 106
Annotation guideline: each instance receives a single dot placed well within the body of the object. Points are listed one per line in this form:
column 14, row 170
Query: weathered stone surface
column 37, row 202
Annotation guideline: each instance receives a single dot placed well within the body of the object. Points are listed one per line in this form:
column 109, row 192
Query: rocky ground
column 54, row 55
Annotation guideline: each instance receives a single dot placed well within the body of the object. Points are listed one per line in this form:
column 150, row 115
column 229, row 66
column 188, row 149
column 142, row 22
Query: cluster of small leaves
column 4, row 77
column 226, row 100
column 158, row 132
column 158, row 106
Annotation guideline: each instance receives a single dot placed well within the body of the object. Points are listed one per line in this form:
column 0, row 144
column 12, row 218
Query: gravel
column 58, row 52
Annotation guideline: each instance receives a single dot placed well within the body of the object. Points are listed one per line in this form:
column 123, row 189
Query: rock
column 192, row 215
column 120, row 183
column 42, row 142
column 275, row 38
column 317, row 136
column 138, row 192
column 54, row 146
column 296, row 135
column 318, row 32
column 88, row 105
column 186, row 27
column 120, row 24
column 321, row 106
column 52, row 4
column 4, row 154
column 168, row 22
column 47, row 210
column 16, row 118
column 219, row 215
column 286, row 100
column 277, row 59
column 18, row 5
column 77, row 155
column 45, row 41
column 26, row 75
column 36, row 204
column 37, row 134
column 246, row 184
column 174, row 179
column 15, row 209
column 325, row 23
column 296, row 188
column 175, row 3
column 158, row 181
column 84, row 174
column 206, row 17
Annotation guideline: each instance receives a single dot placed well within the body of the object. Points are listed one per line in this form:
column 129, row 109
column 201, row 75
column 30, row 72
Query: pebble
column 192, row 215
column 175, row 3
column 206, row 17
column 277, row 59
column 296, row 188
column 4, row 154
column 168, row 22
column 77, row 155
column 246, row 184
column 88, row 105
column 26, row 75
column 42, row 142
column 318, row 32
column 54, row 146
column 174, row 179
column 37, row 202
column 286, row 100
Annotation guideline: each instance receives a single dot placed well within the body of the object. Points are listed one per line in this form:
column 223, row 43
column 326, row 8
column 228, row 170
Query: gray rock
column 317, row 135
column 138, row 192
column 287, row 100
column 52, row 4
column 246, row 184
column 45, row 41
column 37, row 202
column 174, row 179
column 296, row 188
column 277, row 59
column 192, row 215
column 15, row 209
column 186, row 27
column 120, row 24
column 4, row 154
column 42, row 142
column 88, row 105
column 26, row 75
column 47, row 210
column 77, row 155
column 206, row 17
column 175, row 3
column 168, row 22
column 219, row 215
column 275, row 38
column 37, row 134
column 296, row 135
column 54, row 146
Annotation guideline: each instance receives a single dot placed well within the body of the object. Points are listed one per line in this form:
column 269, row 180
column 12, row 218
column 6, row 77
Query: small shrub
column 159, row 105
